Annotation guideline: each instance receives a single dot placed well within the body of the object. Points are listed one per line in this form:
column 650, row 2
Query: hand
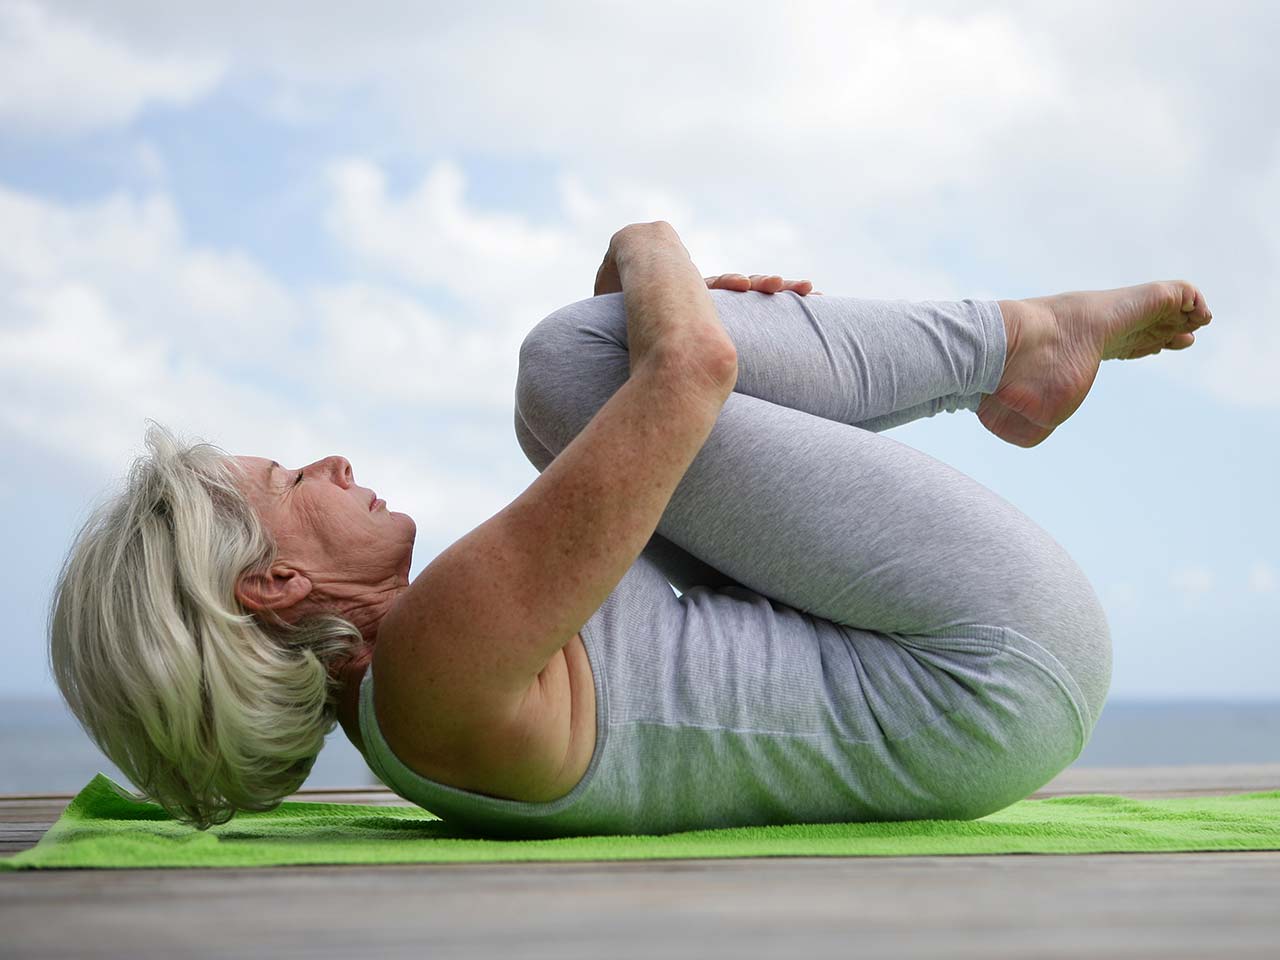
column 609, row 281
column 608, row 278
column 762, row 282
column 669, row 324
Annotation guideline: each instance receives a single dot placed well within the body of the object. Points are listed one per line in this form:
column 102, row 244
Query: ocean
column 43, row 749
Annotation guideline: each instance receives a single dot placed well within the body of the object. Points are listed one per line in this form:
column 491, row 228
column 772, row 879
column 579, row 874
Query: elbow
column 709, row 364
column 722, row 366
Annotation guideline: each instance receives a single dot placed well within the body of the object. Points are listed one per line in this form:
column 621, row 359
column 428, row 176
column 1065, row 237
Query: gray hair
column 207, row 709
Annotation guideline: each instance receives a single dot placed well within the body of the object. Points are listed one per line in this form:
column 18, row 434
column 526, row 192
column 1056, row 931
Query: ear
column 278, row 589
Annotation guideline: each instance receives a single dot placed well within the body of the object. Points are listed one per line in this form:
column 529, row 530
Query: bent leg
column 873, row 363
column 794, row 502
column 876, row 364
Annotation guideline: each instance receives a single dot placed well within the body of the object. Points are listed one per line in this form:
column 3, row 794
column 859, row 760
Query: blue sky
column 297, row 233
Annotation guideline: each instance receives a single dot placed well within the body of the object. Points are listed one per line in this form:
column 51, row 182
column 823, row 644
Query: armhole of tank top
column 376, row 746
column 365, row 719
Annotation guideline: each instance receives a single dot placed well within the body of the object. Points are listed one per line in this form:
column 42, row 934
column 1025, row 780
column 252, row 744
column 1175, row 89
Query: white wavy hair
column 206, row 708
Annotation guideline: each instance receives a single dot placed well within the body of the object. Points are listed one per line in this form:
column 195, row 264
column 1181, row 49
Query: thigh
column 863, row 530
column 867, row 532
column 1014, row 719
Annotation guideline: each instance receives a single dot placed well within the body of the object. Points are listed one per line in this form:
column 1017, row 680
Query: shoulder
column 455, row 731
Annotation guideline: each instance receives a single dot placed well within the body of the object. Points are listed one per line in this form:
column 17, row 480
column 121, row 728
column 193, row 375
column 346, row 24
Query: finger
column 729, row 281
column 801, row 287
column 1202, row 313
column 766, row 282
column 1180, row 341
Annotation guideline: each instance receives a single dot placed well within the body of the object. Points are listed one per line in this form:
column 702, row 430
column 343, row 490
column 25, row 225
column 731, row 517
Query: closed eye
column 299, row 480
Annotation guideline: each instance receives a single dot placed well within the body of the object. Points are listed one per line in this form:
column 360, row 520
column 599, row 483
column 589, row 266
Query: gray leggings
column 799, row 496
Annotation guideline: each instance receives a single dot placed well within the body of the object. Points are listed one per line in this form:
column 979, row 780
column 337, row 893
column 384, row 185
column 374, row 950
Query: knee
column 1086, row 650
column 588, row 327
column 1086, row 641
column 1070, row 622
column 535, row 450
column 569, row 365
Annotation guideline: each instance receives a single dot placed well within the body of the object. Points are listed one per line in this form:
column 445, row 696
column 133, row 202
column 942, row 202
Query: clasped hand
column 608, row 280
column 764, row 283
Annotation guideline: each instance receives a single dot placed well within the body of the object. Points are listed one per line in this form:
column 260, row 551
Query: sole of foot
column 1055, row 345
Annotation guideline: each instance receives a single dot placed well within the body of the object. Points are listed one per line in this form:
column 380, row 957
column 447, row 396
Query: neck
column 367, row 618
column 368, row 611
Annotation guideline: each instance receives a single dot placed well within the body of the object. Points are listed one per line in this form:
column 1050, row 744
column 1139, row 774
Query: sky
column 297, row 230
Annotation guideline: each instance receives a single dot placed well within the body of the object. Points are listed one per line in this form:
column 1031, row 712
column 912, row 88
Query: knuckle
column 646, row 228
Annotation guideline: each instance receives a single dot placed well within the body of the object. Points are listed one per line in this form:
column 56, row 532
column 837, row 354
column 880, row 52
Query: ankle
column 1014, row 313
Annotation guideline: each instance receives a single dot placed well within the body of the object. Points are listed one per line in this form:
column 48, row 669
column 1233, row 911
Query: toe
column 1188, row 294
column 1181, row 341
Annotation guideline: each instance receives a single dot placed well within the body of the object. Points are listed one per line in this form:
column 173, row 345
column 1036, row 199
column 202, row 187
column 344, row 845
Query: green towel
column 101, row 828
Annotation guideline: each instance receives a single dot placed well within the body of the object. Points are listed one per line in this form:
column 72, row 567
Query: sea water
column 43, row 749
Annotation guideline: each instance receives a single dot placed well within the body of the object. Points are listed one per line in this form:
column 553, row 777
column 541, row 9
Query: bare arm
column 479, row 624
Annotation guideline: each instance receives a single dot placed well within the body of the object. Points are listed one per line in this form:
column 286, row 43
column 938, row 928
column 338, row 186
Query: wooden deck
column 1201, row 905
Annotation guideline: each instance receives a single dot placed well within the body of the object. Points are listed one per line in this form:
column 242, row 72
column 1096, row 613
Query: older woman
column 864, row 632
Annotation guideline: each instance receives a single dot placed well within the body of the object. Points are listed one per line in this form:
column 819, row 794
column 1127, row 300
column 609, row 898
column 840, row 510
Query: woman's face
column 322, row 522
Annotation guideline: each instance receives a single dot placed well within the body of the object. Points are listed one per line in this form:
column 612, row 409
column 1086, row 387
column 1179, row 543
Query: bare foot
column 1056, row 344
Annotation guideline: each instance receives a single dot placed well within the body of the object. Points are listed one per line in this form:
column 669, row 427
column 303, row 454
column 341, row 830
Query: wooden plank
column 1168, row 781
column 1166, row 905
column 1171, row 905
column 21, row 810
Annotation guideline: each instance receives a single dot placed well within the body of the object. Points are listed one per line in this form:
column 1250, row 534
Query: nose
column 337, row 469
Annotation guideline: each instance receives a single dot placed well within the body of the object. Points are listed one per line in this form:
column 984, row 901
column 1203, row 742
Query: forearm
column 681, row 568
column 670, row 315
column 589, row 515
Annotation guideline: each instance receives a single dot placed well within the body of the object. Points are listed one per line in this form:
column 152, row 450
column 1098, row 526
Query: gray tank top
column 724, row 708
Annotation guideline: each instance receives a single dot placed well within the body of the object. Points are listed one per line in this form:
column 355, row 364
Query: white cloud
column 1243, row 340
column 1263, row 578
column 507, row 272
column 1045, row 144
column 386, row 347
column 108, row 316
column 133, row 253
column 1192, row 581
column 1020, row 139
column 59, row 76
column 431, row 237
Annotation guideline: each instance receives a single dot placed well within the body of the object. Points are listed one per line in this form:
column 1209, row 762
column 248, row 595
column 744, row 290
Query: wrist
column 647, row 243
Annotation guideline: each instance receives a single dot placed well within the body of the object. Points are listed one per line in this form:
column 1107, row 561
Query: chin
column 413, row 527
column 412, row 531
